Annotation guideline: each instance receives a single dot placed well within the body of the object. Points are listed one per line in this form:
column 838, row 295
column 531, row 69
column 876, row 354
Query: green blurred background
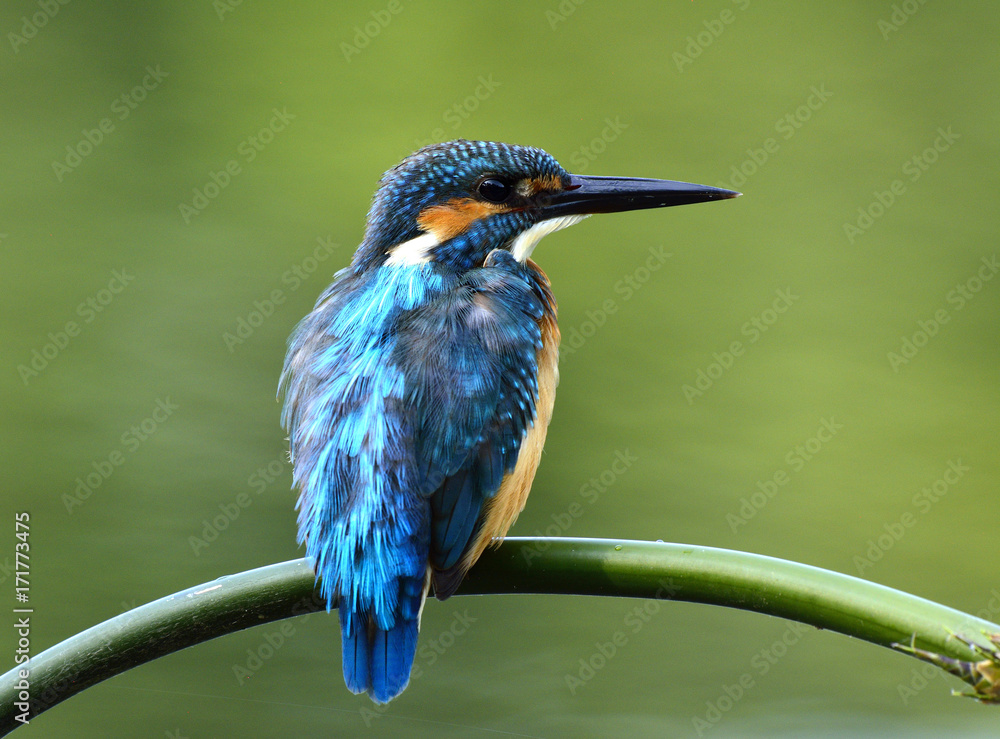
column 181, row 313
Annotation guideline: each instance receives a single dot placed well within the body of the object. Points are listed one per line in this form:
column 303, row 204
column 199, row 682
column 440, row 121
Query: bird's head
column 454, row 203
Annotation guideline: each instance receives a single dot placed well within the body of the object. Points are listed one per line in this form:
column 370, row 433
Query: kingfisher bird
column 418, row 391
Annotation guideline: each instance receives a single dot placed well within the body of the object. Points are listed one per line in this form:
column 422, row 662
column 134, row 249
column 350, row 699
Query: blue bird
column 419, row 389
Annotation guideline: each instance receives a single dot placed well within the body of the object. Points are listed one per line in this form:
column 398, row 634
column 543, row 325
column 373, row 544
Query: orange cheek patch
column 448, row 220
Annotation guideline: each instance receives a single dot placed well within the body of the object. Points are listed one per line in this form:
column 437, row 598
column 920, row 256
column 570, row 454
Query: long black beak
column 585, row 195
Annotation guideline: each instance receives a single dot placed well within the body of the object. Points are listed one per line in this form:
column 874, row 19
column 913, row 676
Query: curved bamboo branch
column 822, row 598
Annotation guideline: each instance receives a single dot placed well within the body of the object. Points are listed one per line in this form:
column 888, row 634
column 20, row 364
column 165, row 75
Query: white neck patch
column 415, row 251
column 525, row 243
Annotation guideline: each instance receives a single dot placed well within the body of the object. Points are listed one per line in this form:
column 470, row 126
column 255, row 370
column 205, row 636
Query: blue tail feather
column 392, row 659
column 357, row 659
column 378, row 661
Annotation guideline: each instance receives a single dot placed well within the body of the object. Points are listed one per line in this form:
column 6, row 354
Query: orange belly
column 502, row 509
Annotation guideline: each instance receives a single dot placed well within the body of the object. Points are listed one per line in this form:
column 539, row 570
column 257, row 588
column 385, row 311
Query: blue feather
column 392, row 660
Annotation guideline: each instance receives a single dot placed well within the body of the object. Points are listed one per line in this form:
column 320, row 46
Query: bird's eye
column 494, row 190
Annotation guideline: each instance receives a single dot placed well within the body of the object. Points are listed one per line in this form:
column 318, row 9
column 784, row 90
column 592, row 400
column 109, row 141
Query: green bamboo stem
column 822, row 598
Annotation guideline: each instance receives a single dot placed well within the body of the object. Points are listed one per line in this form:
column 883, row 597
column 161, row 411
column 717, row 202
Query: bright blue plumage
column 418, row 390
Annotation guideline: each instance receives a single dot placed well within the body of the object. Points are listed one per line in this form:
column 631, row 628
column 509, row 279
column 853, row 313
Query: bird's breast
column 503, row 508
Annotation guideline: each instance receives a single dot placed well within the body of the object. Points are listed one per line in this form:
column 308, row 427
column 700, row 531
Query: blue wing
column 471, row 363
column 361, row 515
